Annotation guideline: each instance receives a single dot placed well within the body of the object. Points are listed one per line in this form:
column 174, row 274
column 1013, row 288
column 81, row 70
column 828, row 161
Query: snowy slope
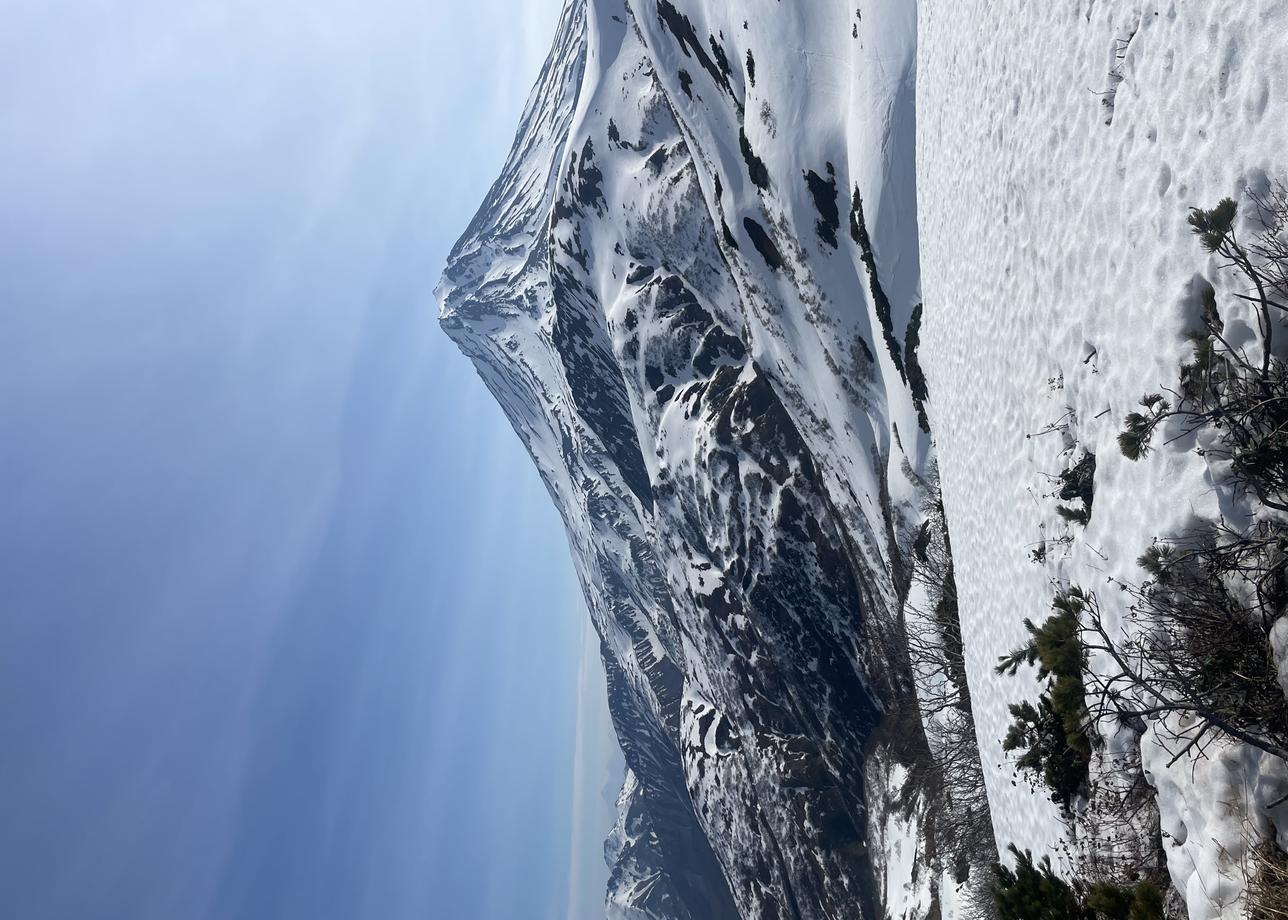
column 690, row 290
column 695, row 290
column 1053, row 228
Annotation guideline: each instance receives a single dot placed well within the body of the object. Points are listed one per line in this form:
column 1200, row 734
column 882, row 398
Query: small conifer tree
column 1032, row 891
column 1052, row 735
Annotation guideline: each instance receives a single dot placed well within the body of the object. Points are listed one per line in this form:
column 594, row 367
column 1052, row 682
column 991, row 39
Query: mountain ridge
column 708, row 373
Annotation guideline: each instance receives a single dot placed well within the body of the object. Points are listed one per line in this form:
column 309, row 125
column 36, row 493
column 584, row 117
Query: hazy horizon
column 285, row 594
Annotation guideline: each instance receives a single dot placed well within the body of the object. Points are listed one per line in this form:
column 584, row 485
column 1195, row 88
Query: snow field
column 1059, row 149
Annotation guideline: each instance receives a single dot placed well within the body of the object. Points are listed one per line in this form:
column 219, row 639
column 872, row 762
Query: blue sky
column 289, row 628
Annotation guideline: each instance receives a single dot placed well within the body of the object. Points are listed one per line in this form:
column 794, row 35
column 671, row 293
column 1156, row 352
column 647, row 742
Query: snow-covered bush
column 1201, row 648
column 1202, row 644
column 1239, row 400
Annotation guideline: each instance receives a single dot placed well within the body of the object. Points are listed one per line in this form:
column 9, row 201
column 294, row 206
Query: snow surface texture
column 1059, row 149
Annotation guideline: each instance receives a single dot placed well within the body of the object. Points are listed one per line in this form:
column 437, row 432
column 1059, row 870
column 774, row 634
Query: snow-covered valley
column 800, row 311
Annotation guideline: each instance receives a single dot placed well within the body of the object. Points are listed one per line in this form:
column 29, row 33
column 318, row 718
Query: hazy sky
column 288, row 626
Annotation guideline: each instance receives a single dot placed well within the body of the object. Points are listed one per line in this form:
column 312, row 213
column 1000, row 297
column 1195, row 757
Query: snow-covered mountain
column 691, row 291
column 696, row 292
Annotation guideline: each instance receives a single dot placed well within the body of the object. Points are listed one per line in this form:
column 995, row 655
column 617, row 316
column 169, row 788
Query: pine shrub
column 1032, row 891
column 1052, row 736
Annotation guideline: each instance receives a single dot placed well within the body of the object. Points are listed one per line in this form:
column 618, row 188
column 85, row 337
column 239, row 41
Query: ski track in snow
column 1053, row 225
